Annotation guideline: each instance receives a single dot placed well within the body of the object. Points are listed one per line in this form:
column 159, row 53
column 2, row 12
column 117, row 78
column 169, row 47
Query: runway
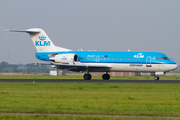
column 90, row 81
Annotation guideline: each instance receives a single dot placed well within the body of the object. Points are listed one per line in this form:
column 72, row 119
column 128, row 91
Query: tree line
column 5, row 67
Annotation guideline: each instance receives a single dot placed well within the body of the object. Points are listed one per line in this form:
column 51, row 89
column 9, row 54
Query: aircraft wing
column 77, row 66
column 82, row 67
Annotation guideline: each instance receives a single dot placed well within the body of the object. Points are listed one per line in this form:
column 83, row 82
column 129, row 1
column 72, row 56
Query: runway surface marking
column 79, row 115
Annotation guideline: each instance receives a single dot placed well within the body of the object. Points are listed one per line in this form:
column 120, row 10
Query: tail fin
column 41, row 41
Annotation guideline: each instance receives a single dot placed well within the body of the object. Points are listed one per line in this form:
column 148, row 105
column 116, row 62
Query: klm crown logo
column 42, row 37
column 42, row 42
column 64, row 58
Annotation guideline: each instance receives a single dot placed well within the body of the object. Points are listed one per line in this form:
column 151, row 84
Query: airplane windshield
column 165, row 58
column 162, row 58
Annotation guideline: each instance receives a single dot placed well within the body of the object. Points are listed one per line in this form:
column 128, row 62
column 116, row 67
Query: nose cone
column 174, row 66
column 171, row 65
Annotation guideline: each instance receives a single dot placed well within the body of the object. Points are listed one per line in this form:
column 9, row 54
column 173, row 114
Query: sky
column 102, row 25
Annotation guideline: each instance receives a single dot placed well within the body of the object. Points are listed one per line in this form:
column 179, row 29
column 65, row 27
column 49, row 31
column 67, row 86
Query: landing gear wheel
column 87, row 76
column 156, row 78
column 106, row 76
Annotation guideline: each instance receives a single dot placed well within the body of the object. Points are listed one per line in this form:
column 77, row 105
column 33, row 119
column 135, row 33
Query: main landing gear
column 106, row 76
column 87, row 76
column 156, row 77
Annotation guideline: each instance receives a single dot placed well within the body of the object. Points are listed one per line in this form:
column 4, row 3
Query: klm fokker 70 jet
column 98, row 61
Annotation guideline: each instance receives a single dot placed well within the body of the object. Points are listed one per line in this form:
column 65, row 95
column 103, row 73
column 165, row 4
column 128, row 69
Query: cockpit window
column 165, row 58
column 162, row 58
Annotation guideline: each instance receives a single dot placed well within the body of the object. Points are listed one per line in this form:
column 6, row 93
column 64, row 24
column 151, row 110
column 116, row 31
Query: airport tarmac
column 90, row 81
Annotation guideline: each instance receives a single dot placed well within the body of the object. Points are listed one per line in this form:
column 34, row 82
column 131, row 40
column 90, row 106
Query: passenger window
column 156, row 58
column 93, row 58
column 131, row 59
column 106, row 58
column 83, row 58
column 128, row 58
column 101, row 58
column 117, row 58
column 138, row 59
column 120, row 58
column 114, row 58
column 109, row 58
column 123, row 59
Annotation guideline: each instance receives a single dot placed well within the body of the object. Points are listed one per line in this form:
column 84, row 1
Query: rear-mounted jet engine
column 64, row 58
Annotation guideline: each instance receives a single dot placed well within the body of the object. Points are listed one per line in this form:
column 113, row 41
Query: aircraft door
column 97, row 58
column 148, row 62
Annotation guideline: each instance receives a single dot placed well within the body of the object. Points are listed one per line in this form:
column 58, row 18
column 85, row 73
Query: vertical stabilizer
column 41, row 41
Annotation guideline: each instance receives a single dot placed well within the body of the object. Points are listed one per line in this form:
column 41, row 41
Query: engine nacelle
column 64, row 58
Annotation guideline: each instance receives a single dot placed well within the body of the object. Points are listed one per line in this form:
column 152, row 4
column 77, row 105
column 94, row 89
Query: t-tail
column 41, row 41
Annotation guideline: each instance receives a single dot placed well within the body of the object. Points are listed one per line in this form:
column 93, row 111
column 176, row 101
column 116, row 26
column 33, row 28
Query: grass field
column 135, row 99
column 44, row 117
column 80, row 76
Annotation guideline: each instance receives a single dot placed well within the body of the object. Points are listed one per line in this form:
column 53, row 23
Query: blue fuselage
column 113, row 57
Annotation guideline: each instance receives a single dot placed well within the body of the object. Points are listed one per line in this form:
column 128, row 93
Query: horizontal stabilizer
column 27, row 31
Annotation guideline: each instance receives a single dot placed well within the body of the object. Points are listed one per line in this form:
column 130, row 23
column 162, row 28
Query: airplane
column 98, row 61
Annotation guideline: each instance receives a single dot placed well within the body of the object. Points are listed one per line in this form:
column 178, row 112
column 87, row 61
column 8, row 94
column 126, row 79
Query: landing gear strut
column 87, row 76
column 106, row 76
column 156, row 77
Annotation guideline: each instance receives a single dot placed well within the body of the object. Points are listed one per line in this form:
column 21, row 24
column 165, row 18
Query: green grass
column 39, row 76
column 139, row 99
column 45, row 117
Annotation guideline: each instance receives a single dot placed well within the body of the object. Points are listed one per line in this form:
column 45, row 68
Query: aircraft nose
column 174, row 66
